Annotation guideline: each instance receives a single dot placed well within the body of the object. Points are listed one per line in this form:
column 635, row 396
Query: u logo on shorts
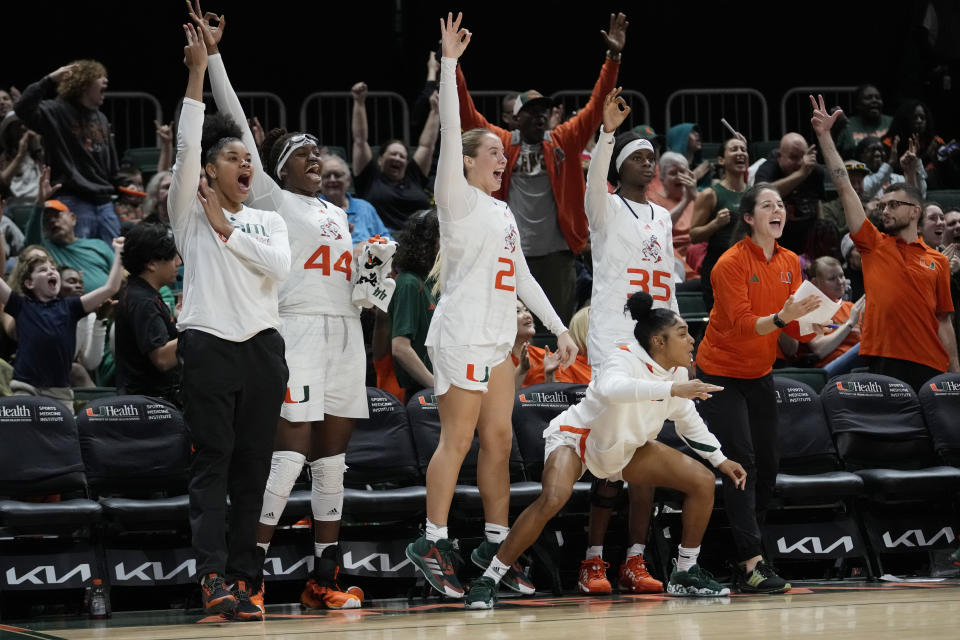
column 288, row 399
column 472, row 376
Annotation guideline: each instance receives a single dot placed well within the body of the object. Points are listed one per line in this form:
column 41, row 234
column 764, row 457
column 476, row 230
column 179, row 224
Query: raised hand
column 615, row 110
column 551, row 360
column 164, row 131
column 894, row 151
column 616, row 37
column 212, row 209
column 359, row 91
column 809, row 160
column 689, row 183
column 435, row 102
column 723, row 217
column 257, row 130
column 118, row 245
column 908, row 161
column 702, row 169
column 195, row 53
column 822, row 120
column 212, row 33
column 453, row 39
column 63, row 72
column 433, row 66
column 693, row 389
column 45, row 190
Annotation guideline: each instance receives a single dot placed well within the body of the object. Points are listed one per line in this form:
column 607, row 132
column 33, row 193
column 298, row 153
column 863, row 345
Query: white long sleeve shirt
column 625, row 407
column 484, row 271
column 229, row 288
column 632, row 247
column 322, row 263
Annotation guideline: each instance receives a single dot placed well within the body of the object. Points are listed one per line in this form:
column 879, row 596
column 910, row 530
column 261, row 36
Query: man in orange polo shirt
column 907, row 329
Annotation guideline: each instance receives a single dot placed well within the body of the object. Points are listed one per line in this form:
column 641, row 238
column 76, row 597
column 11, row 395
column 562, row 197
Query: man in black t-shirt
column 794, row 171
column 146, row 333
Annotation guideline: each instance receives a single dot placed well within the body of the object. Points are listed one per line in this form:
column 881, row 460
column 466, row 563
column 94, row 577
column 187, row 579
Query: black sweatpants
column 557, row 276
column 743, row 417
column 232, row 392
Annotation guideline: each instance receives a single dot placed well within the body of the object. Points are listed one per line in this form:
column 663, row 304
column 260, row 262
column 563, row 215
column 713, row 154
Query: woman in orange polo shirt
column 753, row 284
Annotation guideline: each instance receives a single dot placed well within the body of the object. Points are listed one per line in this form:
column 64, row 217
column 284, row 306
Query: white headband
column 292, row 145
column 636, row 145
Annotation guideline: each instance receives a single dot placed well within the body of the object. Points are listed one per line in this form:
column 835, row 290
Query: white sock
column 436, row 532
column 595, row 552
column 686, row 558
column 636, row 550
column 495, row 533
column 265, row 546
column 496, row 570
column 319, row 547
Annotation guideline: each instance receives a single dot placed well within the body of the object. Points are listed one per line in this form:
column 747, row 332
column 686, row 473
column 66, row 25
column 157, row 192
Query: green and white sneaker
column 696, row 582
column 514, row 579
column 435, row 562
column 482, row 594
column 955, row 556
column 763, row 579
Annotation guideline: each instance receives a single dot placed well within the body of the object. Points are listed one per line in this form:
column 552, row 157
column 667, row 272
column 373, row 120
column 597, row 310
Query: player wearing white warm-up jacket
column 323, row 340
column 483, row 272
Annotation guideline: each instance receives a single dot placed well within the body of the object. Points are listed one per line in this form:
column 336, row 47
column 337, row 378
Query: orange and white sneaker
column 634, row 577
column 322, row 596
column 256, row 598
column 593, row 576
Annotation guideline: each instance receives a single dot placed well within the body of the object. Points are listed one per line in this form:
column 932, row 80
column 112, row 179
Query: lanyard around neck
column 631, row 208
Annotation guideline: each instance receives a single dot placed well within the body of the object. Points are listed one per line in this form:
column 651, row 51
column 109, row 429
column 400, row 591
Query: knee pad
column 285, row 467
column 326, row 495
column 604, row 493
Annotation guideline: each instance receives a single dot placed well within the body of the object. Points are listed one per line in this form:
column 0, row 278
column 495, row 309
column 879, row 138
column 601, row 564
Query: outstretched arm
column 360, row 129
column 822, row 121
column 451, row 185
column 423, row 156
column 100, row 295
column 186, row 169
column 615, row 111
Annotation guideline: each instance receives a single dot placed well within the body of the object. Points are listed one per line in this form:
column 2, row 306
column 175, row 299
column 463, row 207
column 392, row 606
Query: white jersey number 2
column 507, row 272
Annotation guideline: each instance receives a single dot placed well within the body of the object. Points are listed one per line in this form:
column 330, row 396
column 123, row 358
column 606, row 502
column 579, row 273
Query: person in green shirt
column 869, row 121
column 413, row 302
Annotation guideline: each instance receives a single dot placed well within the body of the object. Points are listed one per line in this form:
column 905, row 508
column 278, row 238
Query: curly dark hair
column 418, row 242
column 73, row 85
column 219, row 129
column 146, row 242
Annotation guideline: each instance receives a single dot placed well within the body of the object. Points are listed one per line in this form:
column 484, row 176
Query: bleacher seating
column 940, row 402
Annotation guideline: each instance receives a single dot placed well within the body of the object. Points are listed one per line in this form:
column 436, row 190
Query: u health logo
column 107, row 411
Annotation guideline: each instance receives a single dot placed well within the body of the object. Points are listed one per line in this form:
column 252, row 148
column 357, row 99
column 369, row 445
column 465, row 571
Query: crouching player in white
column 612, row 433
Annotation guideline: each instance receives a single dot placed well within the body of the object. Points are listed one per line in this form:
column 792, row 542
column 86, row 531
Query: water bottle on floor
column 99, row 601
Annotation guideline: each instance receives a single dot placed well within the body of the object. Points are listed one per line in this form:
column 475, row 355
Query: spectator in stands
column 908, row 329
column 130, row 195
column 852, row 268
column 146, row 334
column 91, row 330
column 754, row 282
column 932, row 225
column 913, row 119
column 832, row 211
column 363, row 218
column 47, row 325
column 870, row 121
column 393, row 184
column 155, row 205
column 234, row 372
column 838, row 349
column 543, row 182
column 871, row 152
column 685, row 139
column 508, row 119
column 946, row 170
column 793, row 171
column 951, row 227
column 79, row 147
column 713, row 208
column 414, row 300
column 537, row 365
column 52, row 224
column 676, row 191
column 21, row 158
column 11, row 235
column 6, row 103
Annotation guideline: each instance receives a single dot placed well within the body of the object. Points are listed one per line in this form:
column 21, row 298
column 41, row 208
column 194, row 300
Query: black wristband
column 777, row 321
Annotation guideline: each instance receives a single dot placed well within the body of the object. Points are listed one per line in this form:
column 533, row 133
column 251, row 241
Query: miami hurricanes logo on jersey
column 511, row 238
column 472, row 375
column 330, row 230
column 650, row 250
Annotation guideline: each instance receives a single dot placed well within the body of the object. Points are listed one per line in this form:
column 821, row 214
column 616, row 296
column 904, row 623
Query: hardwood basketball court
column 927, row 610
